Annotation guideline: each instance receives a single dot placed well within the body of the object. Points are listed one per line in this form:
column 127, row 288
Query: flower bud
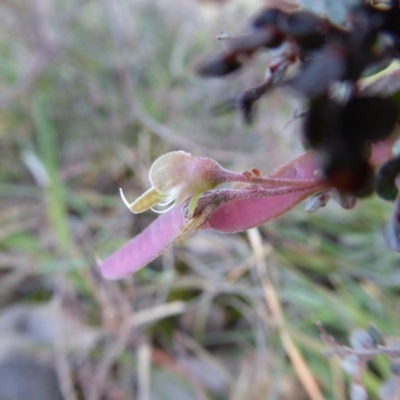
column 175, row 177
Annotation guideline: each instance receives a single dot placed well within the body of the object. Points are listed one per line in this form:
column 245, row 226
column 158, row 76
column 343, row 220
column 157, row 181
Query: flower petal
column 244, row 214
column 234, row 216
column 145, row 247
column 239, row 215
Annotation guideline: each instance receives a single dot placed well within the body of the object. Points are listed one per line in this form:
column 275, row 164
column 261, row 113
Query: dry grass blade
column 111, row 354
column 180, row 140
column 63, row 368
column 144, row 365
column 158, row 312
column 187, row 343
column 271, row 298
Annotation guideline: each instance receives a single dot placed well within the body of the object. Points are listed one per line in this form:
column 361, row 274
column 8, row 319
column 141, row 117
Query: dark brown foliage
column 339, row 126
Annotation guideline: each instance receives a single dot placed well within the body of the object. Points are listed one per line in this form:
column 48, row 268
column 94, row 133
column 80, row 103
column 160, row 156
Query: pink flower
column 189, row 182
column 177, row 176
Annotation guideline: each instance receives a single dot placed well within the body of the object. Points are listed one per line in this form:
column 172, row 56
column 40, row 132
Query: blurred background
column 91, row 93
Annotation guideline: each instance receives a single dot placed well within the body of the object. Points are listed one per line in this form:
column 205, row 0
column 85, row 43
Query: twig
column 343, row 351
column 336, row 349
column 296, row 115
column 144, row 364
column 271, row 298
column 324, row 335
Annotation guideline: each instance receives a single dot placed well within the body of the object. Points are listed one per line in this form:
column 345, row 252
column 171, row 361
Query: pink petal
column 234, row 216
column 145, row 247
column 239, row 215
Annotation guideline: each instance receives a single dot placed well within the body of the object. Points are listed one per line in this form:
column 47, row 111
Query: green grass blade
column 48, row 151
